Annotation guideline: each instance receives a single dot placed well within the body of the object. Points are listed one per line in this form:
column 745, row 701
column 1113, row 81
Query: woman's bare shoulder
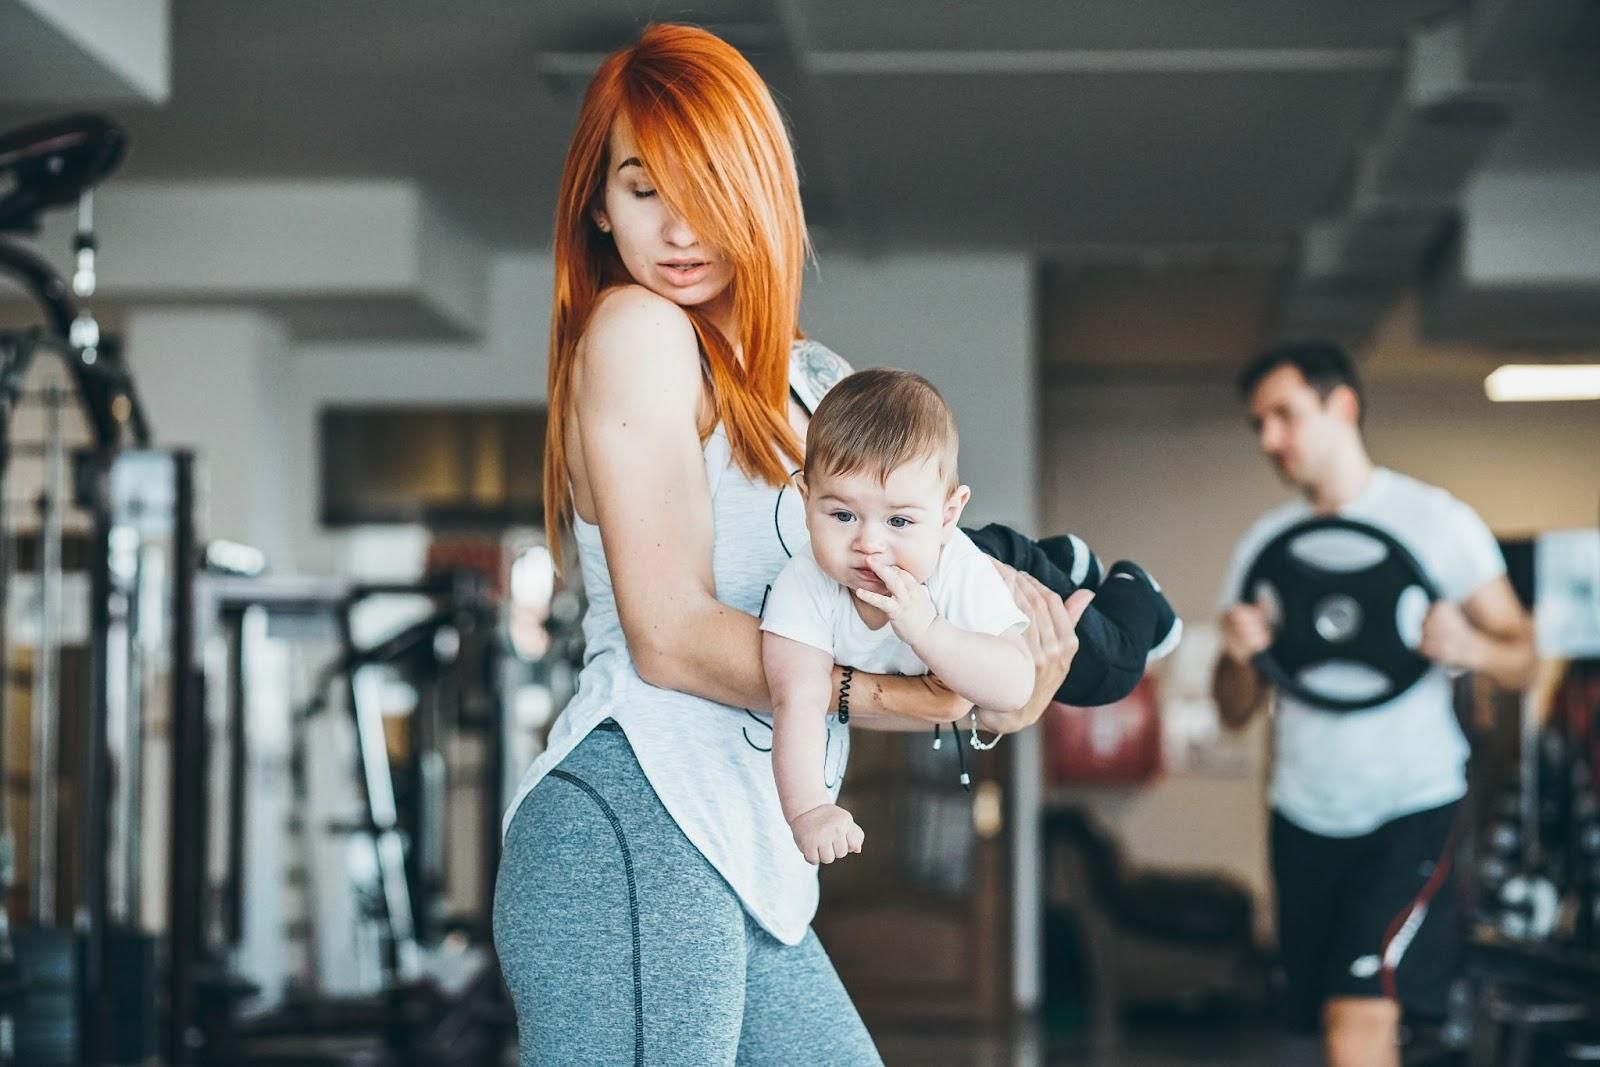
column 631, row 315
column 638, row 349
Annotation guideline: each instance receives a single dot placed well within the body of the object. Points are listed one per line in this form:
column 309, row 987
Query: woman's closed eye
column 643, row 194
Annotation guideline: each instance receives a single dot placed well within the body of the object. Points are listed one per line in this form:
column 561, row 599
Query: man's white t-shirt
column 1342, row 774
column 806, row 605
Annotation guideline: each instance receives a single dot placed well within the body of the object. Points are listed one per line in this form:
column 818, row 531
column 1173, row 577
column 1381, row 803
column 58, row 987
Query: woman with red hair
column 650, row 904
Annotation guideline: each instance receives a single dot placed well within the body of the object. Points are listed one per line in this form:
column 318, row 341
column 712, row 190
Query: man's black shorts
column 1369, row 916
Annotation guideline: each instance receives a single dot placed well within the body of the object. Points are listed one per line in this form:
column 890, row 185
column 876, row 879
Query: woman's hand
column 1052, row 640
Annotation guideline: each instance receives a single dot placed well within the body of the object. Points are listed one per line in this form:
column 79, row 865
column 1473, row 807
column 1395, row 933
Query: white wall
column 210, row 379
column 966, row 323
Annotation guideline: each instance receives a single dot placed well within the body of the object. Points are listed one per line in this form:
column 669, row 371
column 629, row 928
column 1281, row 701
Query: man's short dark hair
column 1324, row 365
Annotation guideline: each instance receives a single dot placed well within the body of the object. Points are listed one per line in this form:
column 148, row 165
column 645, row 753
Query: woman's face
column 659, row 249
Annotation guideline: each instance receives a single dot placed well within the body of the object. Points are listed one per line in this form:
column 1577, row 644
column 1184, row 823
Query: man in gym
column 1364, row 803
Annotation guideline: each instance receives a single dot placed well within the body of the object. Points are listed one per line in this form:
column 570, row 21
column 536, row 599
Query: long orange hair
column 718, row 153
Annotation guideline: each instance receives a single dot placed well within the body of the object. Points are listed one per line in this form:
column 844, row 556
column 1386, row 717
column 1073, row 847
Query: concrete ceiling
column 1008, row 124
column 1324, row 148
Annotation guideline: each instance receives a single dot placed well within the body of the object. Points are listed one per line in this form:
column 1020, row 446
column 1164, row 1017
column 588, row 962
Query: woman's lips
column 685, row 274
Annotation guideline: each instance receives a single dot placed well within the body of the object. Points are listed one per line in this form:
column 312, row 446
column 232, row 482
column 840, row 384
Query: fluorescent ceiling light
column 1547, row 381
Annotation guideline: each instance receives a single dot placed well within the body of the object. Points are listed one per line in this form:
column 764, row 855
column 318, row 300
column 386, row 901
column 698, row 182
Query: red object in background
column 467, row 552
column 1114, row 744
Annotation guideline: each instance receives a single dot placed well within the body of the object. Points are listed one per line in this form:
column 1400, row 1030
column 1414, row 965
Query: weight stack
column 46, row 1022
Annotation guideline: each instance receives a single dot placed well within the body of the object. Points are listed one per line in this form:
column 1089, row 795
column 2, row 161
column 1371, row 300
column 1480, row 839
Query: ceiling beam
column 1103, row 61
column 1053, row 61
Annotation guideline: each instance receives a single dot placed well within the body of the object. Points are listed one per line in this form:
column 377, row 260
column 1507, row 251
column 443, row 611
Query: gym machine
column 1535, row 959
column 78, row 965
column 393, row 976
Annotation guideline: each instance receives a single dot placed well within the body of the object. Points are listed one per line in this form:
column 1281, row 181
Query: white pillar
column 214, row 380
column 966, row 322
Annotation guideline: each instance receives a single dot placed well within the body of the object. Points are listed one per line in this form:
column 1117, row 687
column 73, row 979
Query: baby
column 890, row 584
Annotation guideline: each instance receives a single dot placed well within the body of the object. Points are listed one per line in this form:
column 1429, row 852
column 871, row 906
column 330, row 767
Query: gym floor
column 1026, row 1046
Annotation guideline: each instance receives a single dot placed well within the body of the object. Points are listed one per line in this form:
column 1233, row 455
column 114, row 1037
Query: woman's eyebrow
column 630, row 161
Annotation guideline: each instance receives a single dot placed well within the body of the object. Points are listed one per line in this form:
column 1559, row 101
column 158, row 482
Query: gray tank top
column 709, row 763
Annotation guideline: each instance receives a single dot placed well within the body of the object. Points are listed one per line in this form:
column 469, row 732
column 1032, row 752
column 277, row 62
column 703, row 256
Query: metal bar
column 188, row 852
column 93, row 1028
column 378, row 785
column 44, row 711
column 133, row 754
column 377, row 789
column 237, row 719
column 8, row 851
column 491, row 675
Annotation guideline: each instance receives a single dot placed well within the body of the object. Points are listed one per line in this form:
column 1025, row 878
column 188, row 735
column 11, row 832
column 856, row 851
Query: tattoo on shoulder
column 817, row 369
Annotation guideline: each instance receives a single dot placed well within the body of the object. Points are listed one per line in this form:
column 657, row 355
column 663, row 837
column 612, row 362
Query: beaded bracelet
column 982, row 746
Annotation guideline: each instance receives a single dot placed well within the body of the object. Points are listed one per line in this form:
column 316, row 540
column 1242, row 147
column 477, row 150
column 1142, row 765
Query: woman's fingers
column 1075, row 606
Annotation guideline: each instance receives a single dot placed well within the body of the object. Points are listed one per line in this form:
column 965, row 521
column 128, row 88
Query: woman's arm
column 900, row 704
column 637, row 396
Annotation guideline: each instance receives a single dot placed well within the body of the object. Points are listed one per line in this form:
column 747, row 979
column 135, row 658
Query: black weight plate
column 1365, row 598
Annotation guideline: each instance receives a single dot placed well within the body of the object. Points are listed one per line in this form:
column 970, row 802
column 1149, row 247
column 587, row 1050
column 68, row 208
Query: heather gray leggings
column 621, row 945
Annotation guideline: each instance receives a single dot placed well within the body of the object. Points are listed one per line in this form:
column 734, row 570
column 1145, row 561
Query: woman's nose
column 678, row 234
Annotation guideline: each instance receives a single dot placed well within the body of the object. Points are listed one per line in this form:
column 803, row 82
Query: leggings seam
column 633, row 907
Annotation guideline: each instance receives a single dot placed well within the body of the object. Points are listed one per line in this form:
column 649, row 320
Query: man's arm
column 1239, row 691
column 1237, row 686
column 1488, row 634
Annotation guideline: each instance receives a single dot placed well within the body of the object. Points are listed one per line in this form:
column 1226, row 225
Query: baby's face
column 904, row 521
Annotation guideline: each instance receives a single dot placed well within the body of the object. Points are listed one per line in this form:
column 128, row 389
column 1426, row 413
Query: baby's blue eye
column 844, row 516
column 899, row 522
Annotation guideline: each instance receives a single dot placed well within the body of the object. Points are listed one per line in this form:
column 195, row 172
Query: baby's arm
column 991, row 670
column 800, row 680
column 798, row 676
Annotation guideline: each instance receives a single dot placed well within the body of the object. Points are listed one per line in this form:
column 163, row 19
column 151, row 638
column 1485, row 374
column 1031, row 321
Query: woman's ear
column 954, row 505
column 601, row 219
